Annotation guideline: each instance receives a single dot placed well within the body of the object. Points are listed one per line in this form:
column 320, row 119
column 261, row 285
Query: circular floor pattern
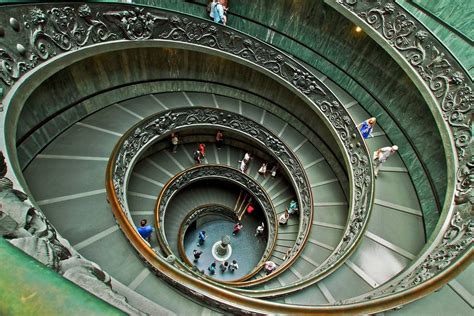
column 246, row 248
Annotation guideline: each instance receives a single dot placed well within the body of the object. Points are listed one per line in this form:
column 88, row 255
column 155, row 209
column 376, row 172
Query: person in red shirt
column 250, row 208
column 202, row 149
column 237, row 228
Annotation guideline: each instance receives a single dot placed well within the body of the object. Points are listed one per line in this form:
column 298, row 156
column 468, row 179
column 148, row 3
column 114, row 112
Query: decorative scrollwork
column 54, row 30
column 65, row 28
column 136, row 24
column 429, row 58
column 10, row 70
column 454, row 94
column 157, row 126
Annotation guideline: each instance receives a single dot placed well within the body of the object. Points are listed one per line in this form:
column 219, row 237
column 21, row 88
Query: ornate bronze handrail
column 98, row 23
column 448, row 91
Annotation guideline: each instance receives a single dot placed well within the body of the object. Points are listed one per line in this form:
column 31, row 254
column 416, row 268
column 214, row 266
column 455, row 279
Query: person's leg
column 377, row 165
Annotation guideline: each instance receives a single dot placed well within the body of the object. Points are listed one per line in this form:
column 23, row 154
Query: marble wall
column 456, row 14
column 451, row 22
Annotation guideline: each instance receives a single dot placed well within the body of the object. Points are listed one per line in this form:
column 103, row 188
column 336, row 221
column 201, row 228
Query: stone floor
column 246, row 248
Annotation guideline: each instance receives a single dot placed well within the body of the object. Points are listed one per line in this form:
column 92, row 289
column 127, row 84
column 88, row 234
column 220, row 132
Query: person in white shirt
column 283, row 219
column 381, row 155
column 269, row 267
column 260, row 229
column 174, row 142
column 233, row 266
column 244, row 163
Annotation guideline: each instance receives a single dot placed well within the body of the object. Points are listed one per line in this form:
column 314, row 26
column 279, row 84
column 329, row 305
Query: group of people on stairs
column 382, row 154
column 366, row 129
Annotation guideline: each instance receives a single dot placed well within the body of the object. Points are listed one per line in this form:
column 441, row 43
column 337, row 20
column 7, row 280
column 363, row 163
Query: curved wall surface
column 148, row 67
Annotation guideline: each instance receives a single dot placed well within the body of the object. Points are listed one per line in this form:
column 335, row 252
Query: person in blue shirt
column 145, row 230
column 212, row 268
column 201, row 237
column 366, row 127
column 210, row 8
column 218, row 13
column 293, row 208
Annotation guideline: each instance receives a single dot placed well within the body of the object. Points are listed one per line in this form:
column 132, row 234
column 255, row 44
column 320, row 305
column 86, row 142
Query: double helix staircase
column 80, row 212
column 64, row 172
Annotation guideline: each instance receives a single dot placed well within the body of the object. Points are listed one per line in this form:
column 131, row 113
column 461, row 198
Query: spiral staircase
column 92, row 92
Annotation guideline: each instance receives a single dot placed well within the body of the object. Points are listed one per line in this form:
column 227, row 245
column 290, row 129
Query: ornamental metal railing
column 44, row 33
column 448, row 90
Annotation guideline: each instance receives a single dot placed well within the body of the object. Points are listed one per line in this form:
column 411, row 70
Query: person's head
column 234, row 261
column 203, row 232
column 394, row 148
column 143, row 222
column 213, row 264
column 226, row 263
column 372, row 121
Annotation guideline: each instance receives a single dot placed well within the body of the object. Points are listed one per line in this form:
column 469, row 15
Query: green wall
column 31, row 288
column 452, row 22
column 456, row 14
